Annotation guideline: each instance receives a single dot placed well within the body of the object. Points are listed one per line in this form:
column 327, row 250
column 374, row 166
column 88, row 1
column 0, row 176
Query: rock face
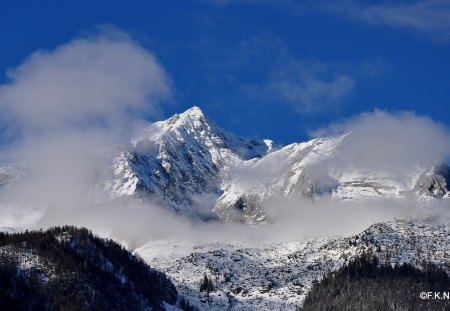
column 179, row 162
column 196, row 168
column 434, row 182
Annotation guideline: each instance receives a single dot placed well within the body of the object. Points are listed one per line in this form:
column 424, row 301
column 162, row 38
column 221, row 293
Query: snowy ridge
column 193, row 167
column 174, row 161
column 197, row 169
column 278, row 276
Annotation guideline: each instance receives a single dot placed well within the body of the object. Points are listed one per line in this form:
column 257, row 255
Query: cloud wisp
column 308, row 86
column 431, row 17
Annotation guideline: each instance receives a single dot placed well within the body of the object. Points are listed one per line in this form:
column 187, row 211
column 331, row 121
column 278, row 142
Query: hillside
column 66, row 268
column 270, row 276
column 364, row 284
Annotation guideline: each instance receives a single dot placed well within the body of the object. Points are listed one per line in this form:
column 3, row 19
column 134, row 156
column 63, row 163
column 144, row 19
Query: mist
column 389, row 140
column 64, row 111
column 134, row 225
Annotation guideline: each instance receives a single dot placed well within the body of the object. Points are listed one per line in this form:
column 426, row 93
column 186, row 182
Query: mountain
column 190, row 165
column 274, row 276
column 67, row 268
column 194, row 167
column 434, row 182
column 180, row 162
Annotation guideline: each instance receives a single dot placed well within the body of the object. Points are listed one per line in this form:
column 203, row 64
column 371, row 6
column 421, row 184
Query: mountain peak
column 190, row 116
column 193, row 112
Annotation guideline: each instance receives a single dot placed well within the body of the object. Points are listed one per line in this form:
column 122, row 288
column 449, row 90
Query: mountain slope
column 434, row 182
column 276, row 276
column 196, row 168
column 193, row 167
column 364, row 284
column 70, row 269
column 177, row 161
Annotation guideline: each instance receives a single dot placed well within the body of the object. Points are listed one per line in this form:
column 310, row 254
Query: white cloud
column 67, row 102
column 68, row 106
column 100, row 81
column 390, row 140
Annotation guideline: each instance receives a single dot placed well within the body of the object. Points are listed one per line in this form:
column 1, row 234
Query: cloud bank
column 395, row 140
column 101, row 81
column 64, row 109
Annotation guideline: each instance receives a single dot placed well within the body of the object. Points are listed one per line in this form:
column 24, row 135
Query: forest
column 67, row 268
column 364, row 284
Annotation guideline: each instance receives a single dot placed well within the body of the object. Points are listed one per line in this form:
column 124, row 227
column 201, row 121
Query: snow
column 178, row 159
column 278, row 276
column 186, row 157
column 169, row 307
column 188, row 160
column 248, row 171
column 27, row 260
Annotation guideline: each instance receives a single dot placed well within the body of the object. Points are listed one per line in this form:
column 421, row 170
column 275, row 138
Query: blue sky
column 275, row 69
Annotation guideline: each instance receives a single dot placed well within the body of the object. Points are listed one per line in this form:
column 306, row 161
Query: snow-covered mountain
column 278, row 276
column 196, row 168
column 192, row 166
column 434, row 182
column 180, row 162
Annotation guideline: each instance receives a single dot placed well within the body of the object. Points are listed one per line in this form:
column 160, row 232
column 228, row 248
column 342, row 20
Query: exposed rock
column 434, row 182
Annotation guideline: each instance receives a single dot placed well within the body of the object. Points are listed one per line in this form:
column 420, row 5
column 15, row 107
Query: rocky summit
column 197, row 169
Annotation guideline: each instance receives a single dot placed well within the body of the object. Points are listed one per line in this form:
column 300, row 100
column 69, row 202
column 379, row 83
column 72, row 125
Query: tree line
column 365, row 284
